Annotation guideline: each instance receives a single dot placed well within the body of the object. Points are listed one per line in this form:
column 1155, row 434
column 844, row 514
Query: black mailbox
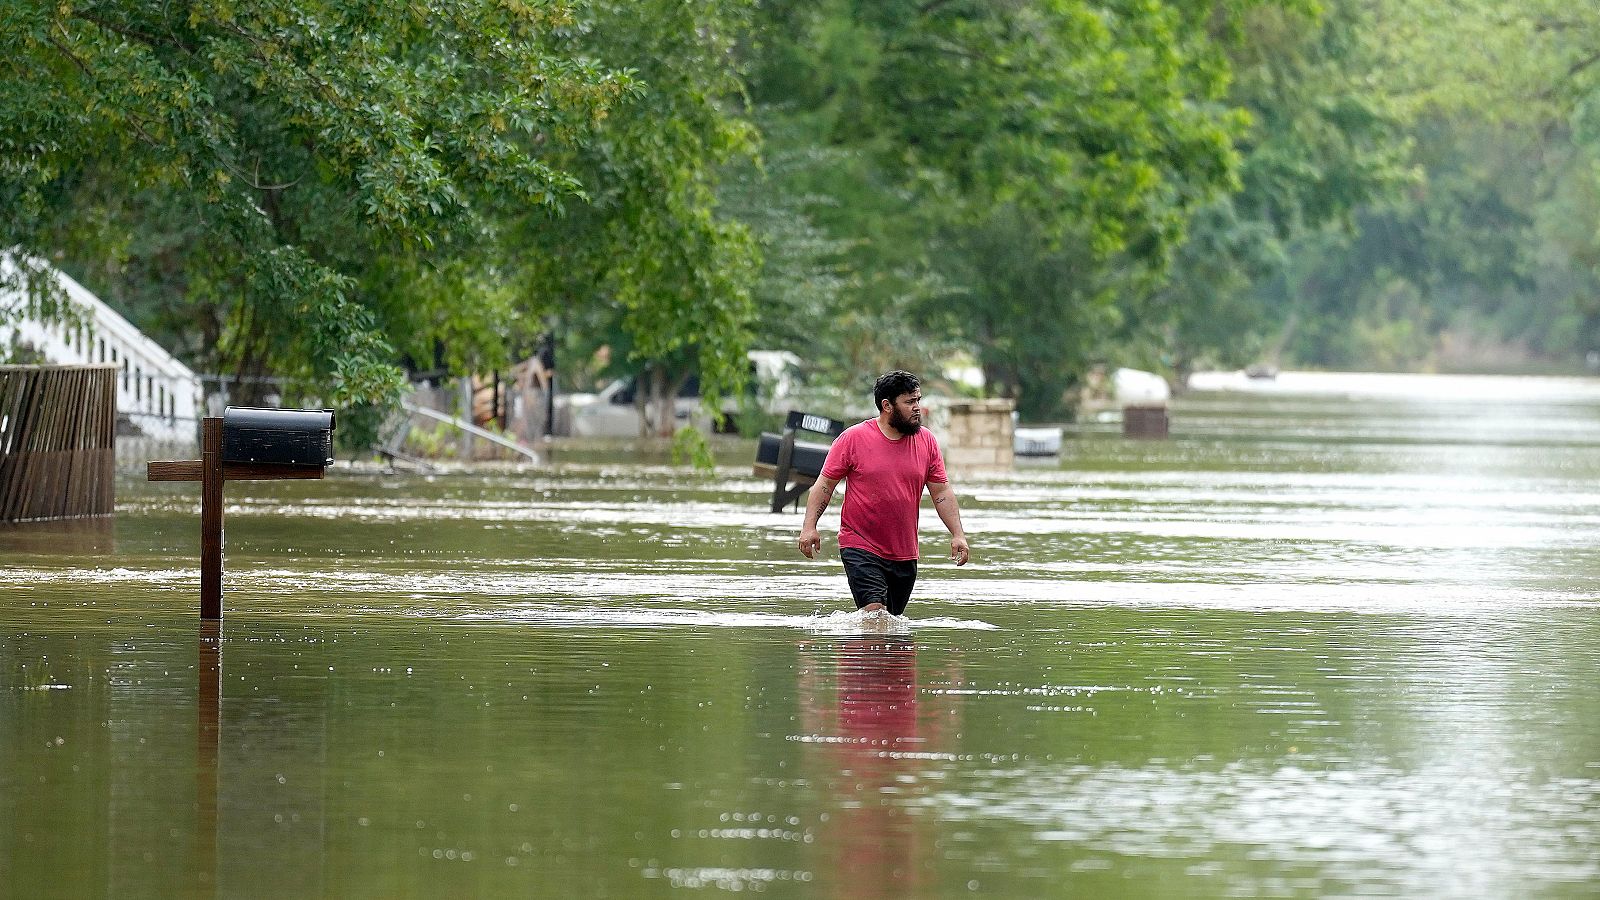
column 292, row 437
column 794, row 465
column 807, row 459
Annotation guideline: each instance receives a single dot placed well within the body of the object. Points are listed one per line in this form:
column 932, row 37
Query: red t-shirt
column 884, row 492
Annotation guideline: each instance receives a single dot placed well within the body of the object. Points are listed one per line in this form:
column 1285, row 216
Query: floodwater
column 1338, row 636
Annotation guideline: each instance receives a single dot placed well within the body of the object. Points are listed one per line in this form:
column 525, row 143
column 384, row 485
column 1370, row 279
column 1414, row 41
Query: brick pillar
column 979, row 435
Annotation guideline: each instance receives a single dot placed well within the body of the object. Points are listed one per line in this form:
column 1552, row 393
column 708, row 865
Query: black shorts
column 874, row 579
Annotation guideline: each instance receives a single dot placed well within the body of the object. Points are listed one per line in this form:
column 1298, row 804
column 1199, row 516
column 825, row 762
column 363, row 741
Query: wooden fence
column 57, row 442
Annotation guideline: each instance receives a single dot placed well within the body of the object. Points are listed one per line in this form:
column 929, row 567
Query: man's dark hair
column 891, row 385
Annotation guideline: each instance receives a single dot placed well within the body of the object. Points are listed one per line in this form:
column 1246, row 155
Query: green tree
column 848, row 256
column 651, row 267
column 1527, row 63
column 287, row 167
column 1324, row 140
column 1072, row 141
column 1489, row 261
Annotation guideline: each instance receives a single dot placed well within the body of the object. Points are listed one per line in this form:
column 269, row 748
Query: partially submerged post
column 1145, row 421
column 245, row 444
column 208, row 729
column 1144, row 397
column 794, row 465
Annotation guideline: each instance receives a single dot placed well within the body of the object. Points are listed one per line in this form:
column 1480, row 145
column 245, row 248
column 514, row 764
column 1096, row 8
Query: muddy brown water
column 1337, row 637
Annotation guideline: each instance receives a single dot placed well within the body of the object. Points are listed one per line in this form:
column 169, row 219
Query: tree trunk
column 641, row 402
column 661, row 399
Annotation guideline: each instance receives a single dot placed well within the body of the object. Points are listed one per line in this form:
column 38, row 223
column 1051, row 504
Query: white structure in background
column 1041, row 441
column 1135, row 387
column 156, row 393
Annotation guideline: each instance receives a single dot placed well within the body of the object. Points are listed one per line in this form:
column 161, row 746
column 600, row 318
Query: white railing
column 155, row 392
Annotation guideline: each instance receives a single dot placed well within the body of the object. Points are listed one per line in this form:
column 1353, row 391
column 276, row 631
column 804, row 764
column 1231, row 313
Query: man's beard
column 903, row 424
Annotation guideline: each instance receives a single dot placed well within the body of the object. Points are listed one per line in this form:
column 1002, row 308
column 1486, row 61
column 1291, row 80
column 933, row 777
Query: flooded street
column 1338, row 636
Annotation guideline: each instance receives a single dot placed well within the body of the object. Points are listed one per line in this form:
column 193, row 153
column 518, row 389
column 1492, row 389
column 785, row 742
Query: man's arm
column 816, row 501
column 944, row 503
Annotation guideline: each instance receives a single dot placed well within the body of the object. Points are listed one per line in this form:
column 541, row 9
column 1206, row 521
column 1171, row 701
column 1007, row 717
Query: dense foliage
column 273, row 181
column 336, row 192
column 998, row 174
column 1491, row 262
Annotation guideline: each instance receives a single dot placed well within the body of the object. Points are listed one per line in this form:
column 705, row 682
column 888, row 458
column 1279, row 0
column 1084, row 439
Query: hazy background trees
column 339, row 192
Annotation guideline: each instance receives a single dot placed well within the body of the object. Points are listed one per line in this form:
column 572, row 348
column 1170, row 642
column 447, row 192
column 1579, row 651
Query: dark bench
column 793, row 465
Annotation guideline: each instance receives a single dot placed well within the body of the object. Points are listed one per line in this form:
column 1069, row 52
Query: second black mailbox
column 291, row 437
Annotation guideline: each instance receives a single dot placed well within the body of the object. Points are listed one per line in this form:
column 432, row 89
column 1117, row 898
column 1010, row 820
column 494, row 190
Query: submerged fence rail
column 57, row 442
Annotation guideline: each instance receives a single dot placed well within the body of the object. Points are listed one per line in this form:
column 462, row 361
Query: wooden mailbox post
column 245, row 444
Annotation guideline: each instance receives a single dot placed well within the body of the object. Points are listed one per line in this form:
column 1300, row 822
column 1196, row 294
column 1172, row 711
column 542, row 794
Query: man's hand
column 959, row 550
column 810, row 542
column 816, row 502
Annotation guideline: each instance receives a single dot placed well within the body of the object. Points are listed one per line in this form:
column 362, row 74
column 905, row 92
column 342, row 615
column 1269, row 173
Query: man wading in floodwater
column 887, row 461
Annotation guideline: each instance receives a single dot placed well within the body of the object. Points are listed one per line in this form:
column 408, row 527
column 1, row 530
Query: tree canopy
column 1047, row 155
column 1489, row 262
column 276, row 165
column 338, row 192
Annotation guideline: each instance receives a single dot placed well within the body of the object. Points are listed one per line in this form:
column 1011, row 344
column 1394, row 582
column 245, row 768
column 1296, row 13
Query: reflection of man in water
column 877, row 695
column 878, row 691
column 887, row 461
column 877, row 727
